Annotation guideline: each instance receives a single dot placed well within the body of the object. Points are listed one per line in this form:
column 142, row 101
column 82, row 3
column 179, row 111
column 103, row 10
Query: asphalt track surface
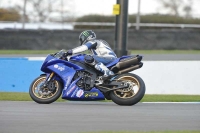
column 83, row 117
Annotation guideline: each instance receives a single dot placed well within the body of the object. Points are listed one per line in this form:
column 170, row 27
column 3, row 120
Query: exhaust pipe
column 127, row 62
column 130, row 68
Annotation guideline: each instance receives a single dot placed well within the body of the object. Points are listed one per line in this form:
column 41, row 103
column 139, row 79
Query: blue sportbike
column 72, row 79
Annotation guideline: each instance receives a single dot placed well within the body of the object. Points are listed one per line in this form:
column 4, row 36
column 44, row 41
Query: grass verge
column 148, row 132
column 17, row 96
column 171, row 98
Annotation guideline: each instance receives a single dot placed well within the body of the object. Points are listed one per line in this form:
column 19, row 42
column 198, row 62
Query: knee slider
column 89, row 60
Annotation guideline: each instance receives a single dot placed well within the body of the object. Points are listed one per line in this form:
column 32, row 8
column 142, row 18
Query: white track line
column 175, row 102
column 36, row 58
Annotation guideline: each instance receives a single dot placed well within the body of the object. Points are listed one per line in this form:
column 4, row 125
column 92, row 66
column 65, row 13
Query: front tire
column 131, row 95
column 45, row 95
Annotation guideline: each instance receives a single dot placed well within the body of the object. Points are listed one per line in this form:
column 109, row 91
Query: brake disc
column 127, row 89
column 47, row 90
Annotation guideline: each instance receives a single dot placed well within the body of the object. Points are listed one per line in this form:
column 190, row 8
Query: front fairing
column 51, row 60
column 63, row 69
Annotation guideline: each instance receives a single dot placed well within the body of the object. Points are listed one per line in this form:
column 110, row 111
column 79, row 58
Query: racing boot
column 102, row 68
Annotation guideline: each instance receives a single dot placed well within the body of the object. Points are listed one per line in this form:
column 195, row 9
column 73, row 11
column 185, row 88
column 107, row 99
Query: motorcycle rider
column 101, row 55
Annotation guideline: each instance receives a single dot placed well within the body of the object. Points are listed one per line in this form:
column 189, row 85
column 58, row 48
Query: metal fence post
column 138, row 17
column 121, row 29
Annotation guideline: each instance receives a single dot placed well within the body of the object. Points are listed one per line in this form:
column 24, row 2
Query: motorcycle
column 75, row 80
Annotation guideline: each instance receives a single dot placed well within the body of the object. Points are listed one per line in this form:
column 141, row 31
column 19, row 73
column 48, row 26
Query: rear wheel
column 130, row 95
column 107, row 96
column 45, row 95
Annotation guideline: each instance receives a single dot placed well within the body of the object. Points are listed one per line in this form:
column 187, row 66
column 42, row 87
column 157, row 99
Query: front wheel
column 45, row 95
column 130, row 95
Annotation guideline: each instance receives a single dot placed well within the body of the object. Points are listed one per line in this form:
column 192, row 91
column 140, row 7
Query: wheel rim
column 131, row 91
column 44, row 93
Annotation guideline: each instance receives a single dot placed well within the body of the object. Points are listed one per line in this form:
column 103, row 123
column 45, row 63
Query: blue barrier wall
column 16, row 74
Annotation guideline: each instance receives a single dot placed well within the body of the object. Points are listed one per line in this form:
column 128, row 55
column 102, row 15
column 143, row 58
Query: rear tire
column 107, row 96
column 47, row 95
column 133, row 94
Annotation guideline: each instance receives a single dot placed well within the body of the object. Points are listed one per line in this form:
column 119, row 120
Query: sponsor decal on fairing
column 59, row 67
column 73, row 94
column 71, row 90
column 79, row 93
column 91, row 94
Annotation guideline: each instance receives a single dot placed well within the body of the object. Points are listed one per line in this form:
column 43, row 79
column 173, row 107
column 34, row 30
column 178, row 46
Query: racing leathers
column 101, row 55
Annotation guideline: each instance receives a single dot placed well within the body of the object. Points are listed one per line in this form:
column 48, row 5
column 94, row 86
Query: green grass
column 148, row 132
column 16, row 96
column 131, row 51
column 171, row 98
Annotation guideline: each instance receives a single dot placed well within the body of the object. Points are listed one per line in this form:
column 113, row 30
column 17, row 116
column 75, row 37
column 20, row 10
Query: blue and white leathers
column 100, row 50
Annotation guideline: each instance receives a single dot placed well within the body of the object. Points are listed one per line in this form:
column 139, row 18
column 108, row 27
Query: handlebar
column 60, row 54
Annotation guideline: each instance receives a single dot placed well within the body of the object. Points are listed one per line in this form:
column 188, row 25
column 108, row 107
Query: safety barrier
column 160, row 77
column 16, row 74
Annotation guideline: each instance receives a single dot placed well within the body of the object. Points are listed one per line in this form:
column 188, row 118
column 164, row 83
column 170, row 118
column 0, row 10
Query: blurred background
column 56, row 24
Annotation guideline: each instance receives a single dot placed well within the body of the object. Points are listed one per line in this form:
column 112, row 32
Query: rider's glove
column 69, row 52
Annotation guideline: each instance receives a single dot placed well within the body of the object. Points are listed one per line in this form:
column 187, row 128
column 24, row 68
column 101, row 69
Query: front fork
column 49, row 78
